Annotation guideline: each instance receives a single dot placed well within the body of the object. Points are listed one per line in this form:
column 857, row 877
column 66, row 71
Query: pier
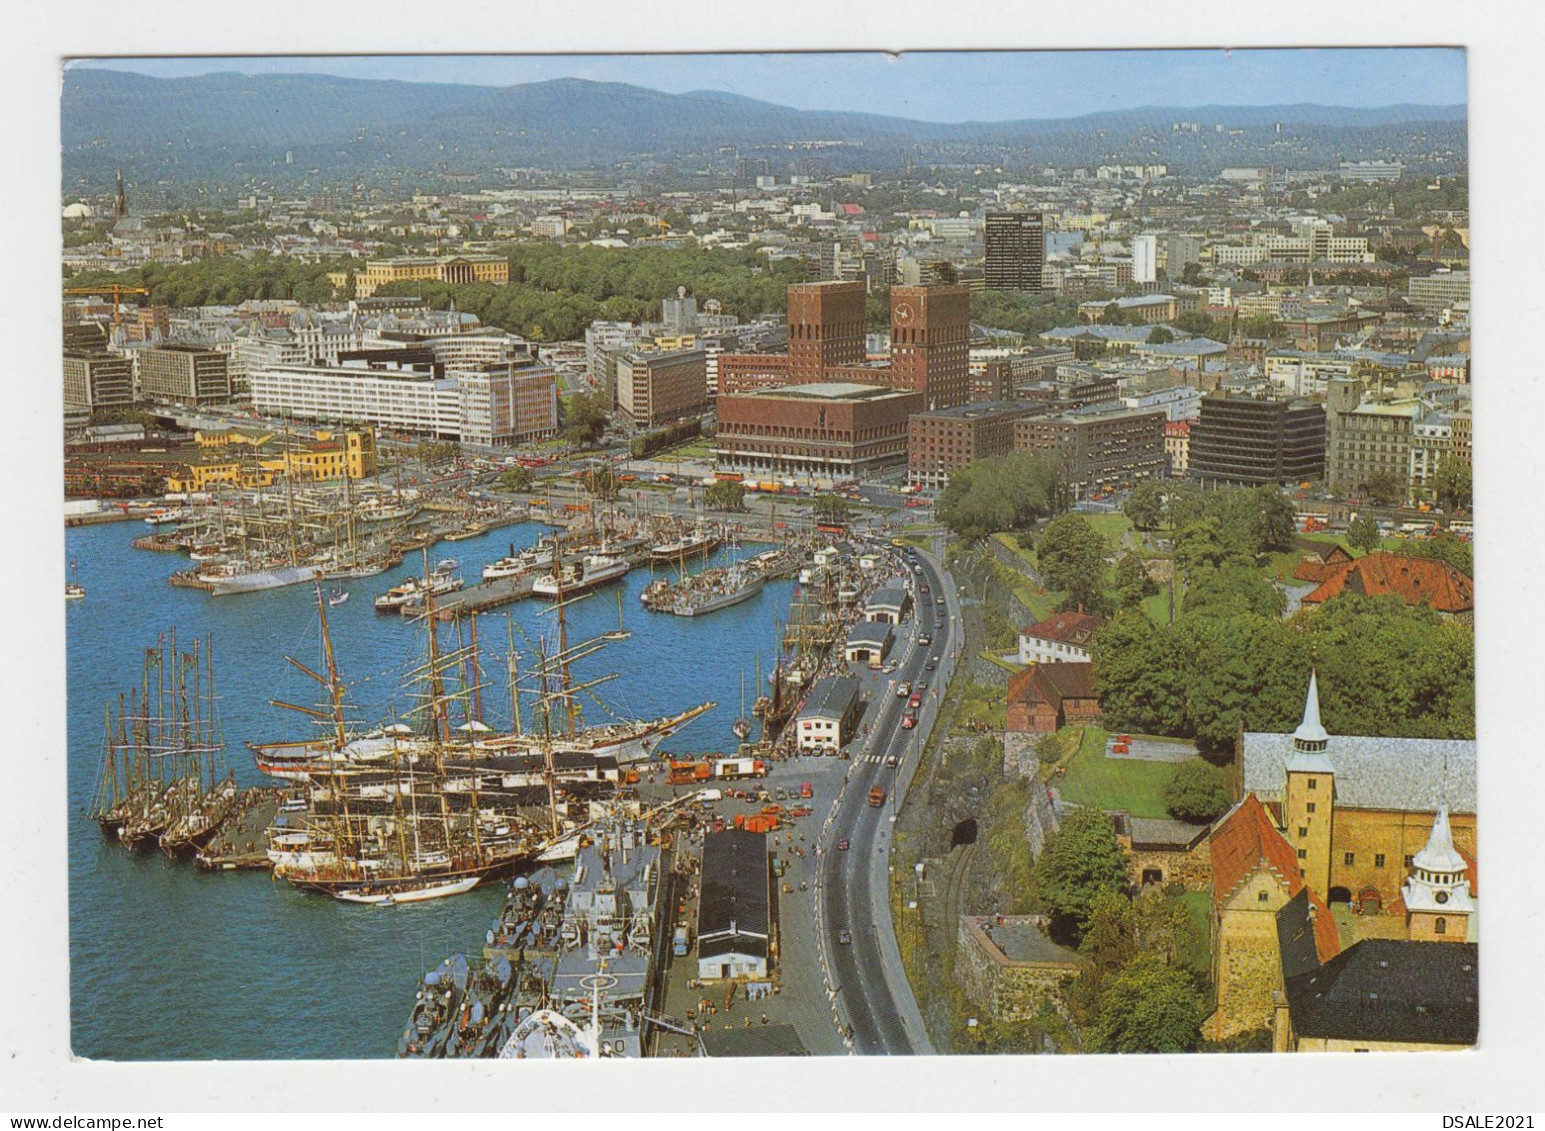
column 242, row 842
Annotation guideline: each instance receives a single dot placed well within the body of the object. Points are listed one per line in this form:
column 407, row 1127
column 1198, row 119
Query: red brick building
column 945, row 440
column 930, row 343
column 1047, row 697
column 832, row 430
column 826, row 328
column 747, row 372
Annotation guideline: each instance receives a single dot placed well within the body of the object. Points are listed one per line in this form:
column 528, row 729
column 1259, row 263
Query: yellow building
column 1337, row 876
column 325, row 456
column 439, row 268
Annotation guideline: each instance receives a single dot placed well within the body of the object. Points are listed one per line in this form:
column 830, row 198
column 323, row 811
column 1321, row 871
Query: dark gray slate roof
column 1162, row 833
column 830, row 697
column 734, row 886
column 1410, row 774
column 1391, row 990
column 1295, row 936
column 870, row 632
column 887, row 599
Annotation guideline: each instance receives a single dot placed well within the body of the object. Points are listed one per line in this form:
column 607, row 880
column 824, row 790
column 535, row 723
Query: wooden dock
column 242, row 844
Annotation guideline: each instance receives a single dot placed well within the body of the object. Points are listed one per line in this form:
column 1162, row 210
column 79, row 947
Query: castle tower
column 1308, row 802
column 1437, row 893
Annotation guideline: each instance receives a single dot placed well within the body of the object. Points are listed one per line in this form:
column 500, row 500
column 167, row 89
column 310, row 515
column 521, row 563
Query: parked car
column 842, row 844
column 844, row 936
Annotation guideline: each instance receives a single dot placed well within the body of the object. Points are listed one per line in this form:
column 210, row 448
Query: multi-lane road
column 866, row 971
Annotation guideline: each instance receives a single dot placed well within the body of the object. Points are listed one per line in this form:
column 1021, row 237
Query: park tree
column 1203, row 545
column 1446, row 547
column 1148, row 1006
column 1385, row 487
column 1196, row 792
column 1451, row 483
column 1141, row 687
column 1070, row 555
column 1001, row 493
column 1274, row 524
column 1238, row 676
column 725, row 495
column 516, row 479
column 1145, row 505
column 1078, row 861
column 1230, row 589
column 1133, row 584
column 1258, row 326
column 1160, row 335
column 602, row 483
column 830, row 508
column 585, row 417
column 1363, row 533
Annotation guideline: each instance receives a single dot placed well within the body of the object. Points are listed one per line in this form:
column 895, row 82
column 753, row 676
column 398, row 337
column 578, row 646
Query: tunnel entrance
column 964, row 832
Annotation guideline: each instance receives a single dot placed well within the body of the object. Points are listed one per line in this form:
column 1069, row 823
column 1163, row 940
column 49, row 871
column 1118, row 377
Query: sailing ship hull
column 257, row 580
column 410, row 895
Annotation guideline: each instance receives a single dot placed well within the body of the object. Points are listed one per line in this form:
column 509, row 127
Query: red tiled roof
column 1246, row 840
column 1414, row 580
column 1065, row 628
column 1052, row 683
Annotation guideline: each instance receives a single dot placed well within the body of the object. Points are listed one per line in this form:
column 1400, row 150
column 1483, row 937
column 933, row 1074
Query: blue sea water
column 167, row 962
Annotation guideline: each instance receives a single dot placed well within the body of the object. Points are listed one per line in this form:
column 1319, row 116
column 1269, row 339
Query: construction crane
column 117, row 290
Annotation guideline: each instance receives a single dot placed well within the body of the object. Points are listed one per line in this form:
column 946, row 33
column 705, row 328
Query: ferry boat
column 412, row 591
column 593, row 571
column 163, row 516
column 696, row 543
column 517, row 565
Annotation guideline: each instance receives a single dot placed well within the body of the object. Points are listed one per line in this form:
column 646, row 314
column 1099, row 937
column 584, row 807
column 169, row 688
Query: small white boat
column 337, row 597
column 74, row 592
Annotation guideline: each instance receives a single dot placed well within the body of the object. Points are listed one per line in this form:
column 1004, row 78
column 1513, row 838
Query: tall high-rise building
column 930, row 343
column 826, row 328
column 1016, row 250
column 1145, row 259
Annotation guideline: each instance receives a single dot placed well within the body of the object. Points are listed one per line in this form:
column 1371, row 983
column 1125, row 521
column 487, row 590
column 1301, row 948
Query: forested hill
column 280, row 130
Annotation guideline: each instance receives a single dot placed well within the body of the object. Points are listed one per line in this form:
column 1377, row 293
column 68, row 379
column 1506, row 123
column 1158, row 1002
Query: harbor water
column 170, row 963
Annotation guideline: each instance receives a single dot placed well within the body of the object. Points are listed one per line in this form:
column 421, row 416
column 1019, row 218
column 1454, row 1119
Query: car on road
column 842, row 844
column 903, row 689
column 931, row 665
column 893, row 761
column 939, row 600
column 915, row 702
column 844, row 936
column 923, row 586
column 921, row 685
column 925, row 640
column 908, row 721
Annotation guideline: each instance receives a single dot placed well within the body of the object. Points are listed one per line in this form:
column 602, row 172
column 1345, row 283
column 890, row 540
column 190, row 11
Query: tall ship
column 225, row 578
column 395, row 834
column 163, row 778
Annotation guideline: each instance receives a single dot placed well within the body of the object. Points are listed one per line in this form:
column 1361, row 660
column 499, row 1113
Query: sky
column 932, row 86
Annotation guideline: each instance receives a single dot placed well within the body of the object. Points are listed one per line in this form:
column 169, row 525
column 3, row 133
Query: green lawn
column 1197, row 954
column 1114, row 783
column 1111, row 526
column 1157, row 606
column 700, row 448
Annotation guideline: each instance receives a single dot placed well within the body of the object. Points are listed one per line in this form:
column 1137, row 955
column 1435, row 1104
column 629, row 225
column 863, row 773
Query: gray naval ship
column 566, row 968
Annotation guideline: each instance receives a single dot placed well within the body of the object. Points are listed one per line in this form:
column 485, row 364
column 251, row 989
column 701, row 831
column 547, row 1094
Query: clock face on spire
column 904, row 313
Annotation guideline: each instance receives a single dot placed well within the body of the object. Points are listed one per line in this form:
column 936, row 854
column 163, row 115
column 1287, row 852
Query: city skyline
column 934, row 86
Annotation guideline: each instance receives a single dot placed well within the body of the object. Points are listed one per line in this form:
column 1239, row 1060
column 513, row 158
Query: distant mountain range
column 232, row 129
